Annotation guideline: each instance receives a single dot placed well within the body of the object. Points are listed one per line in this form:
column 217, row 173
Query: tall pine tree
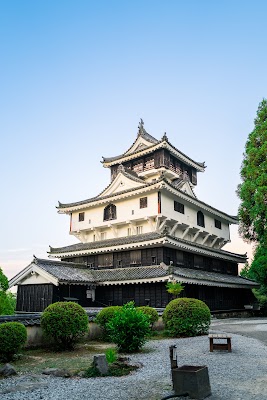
column 253, row 195
column 253, row 189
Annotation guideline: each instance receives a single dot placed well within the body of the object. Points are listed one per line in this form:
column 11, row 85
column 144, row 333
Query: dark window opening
column 110, row 212
column 200, row 219
column 179, row 257
column 143, row 202
column 105, row 260
column 81, row 216
column 218, row 224
column 135, row 257
column 178, row 207
column 154, row 259
column 119, row 263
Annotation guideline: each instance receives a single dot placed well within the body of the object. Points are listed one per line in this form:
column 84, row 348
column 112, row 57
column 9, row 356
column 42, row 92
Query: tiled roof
column 64, row 271
column 207, row 248
column 107, row 243
column 25, row 319
column 130, row 273
column 201, row 277
column 142, row 238
column 78, row 273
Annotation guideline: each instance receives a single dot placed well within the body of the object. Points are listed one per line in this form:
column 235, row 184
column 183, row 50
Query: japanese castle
column 146, row 228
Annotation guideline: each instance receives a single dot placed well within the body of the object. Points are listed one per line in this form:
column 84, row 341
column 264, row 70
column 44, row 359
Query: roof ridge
column 98, row 243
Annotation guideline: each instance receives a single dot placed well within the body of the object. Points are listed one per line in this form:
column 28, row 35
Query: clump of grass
column 116, row 368
column 111, row 355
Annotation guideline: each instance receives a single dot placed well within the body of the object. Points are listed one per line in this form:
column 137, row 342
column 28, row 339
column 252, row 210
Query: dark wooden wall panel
column 34, row 298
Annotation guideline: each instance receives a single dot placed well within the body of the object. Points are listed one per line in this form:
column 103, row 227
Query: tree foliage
column 174, row 288
column 129, row 328
column 3, row 281
column 258, row 268
column 253, row 189
column 13, row 336
column 7, row 299
column 65, row 322
column 186, row 317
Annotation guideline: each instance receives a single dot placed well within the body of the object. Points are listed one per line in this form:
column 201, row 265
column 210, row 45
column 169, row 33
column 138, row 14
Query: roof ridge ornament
column 141, row 129
column 165, row 137
column 121, row 168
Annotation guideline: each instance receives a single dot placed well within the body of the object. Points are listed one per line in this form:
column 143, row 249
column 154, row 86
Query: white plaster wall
column 34, row 279
column 190, row 217
column 128, row 211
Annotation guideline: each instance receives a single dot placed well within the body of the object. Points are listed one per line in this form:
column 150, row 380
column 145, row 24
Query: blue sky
column 76, row 77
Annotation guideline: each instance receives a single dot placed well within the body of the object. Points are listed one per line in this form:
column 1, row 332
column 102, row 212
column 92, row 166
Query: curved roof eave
column 164, row 143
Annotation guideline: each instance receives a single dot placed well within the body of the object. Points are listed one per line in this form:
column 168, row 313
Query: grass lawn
column 34, row 361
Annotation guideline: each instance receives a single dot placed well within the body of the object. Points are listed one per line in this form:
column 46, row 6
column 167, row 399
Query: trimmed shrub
column 150, row 312
column 186, row 317
column 104, row 316
column 13, row 336
column 129, row 329
column 65, row 322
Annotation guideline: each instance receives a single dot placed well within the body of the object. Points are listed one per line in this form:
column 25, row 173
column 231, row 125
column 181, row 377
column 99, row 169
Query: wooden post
column 173, row 357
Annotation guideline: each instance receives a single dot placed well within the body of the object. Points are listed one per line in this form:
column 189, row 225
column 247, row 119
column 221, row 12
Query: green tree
column 253, row 189
column 174, row 288
column 253, row 195
column 3, row 281
column 7, row 299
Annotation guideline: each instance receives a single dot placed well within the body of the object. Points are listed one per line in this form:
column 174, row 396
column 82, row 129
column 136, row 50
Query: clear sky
column 76, row 77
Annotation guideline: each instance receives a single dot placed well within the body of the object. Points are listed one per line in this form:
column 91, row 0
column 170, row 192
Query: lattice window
column 81, row 216
column 138, row 166
column 105, row 260
column 110, row 212
column 143, row 202
column 149, row 163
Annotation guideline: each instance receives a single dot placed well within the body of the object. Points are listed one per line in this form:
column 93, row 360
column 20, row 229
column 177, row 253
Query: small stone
column 62, row 373
column 7, row 370
column 101, row 364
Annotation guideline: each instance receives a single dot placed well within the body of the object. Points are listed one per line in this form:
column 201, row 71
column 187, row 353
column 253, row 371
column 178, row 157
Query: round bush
column 129, row 328
column 65, row 322
column 150, row 312
column 186, row 317
column 104, row 316
column 13, row 336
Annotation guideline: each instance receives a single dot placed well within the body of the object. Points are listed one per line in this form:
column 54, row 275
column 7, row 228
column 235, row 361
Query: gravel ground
column 241, row 374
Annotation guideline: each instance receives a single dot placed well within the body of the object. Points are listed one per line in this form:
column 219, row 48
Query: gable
column 121, row 183
column 186, row 188
column 32, row 275
column 140, row 144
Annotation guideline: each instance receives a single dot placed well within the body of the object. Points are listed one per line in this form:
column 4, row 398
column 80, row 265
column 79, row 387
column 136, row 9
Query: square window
column 81, row 216
column 139, row 230
column 218, row 224
column 179, row 207
column 143, row 202
column 103, row 235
